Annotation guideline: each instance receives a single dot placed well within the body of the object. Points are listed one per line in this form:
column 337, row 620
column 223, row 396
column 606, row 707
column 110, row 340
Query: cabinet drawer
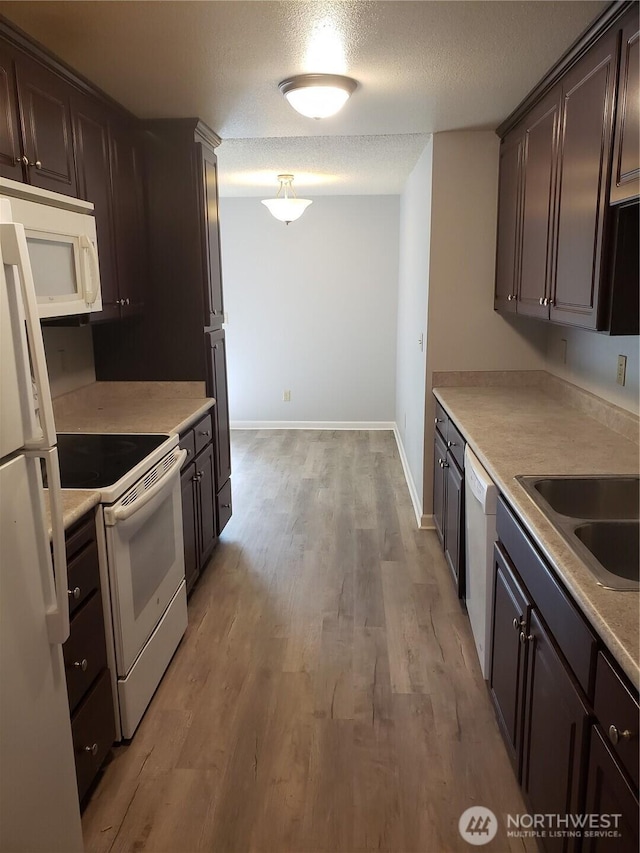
column 203, row 433
column 455, row 444
column 223, row 500
column 617, row 710
column 93, row 731
column 77, row 537
column 570, row 631
column 83, row 575
column 84, row 652
column 441, row 420
column 188, row 443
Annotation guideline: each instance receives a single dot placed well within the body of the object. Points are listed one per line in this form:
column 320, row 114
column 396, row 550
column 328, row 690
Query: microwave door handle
column 16, row 253
column 57, row 611
column 121, row 513
column 90, row 295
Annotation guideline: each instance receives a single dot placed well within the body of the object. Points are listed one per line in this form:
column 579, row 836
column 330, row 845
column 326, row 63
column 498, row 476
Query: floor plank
column 327, row 694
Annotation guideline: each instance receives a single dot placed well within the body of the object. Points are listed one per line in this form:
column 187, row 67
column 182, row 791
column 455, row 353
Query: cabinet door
column 217, row 387
column 91, row 136
column 189, row 524
column 131, row 244
column 454, row 523
column 539, row 175
column 625, row 183
column 439, row 485
column 511, row 610
column 556, row 729
column 44, row 100
column 588, row 94
column 213, row 306
column 207, row 502
column 507, row 252
column 609, row 792
column 10, row 153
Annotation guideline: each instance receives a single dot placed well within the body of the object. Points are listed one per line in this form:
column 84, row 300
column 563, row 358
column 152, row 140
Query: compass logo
column 478, row 825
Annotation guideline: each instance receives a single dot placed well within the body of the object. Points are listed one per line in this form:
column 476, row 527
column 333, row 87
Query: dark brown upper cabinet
column 557, row 257
column 129, row 222
column 44, row 102
column 10, row 151
column 625, row 183
column 91, row 135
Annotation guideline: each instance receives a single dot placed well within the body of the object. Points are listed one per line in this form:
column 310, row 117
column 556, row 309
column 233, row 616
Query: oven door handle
column 113, row 515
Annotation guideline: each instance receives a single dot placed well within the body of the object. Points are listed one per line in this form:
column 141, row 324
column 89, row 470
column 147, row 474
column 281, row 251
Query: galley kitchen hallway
column 327, row 695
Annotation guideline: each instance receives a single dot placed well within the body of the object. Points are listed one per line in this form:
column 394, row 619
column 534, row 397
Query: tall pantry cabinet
column 180, row 337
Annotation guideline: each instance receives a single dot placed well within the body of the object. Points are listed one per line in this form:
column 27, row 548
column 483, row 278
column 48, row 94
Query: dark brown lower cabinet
column 217, row 388
column 556, row 727
column 439, row 480
column 448, row 495
column 199, row 499
column 511, row 610
column 610, row 792
column 85, row 657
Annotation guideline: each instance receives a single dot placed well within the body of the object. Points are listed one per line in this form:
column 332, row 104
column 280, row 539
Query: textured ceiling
column 422, row 67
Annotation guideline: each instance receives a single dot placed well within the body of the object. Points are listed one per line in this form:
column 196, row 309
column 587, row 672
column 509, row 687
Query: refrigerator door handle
column 16, row 253
column 57, row 611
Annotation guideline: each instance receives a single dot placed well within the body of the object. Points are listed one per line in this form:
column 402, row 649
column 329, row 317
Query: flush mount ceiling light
column 286, row 206
column 317, row 95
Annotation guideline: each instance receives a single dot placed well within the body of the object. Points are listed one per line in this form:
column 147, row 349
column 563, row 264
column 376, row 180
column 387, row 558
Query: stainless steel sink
column 599, row 517
column 591, row 497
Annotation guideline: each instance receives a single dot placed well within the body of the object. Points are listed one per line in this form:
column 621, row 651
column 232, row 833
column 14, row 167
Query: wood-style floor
column 327, row 695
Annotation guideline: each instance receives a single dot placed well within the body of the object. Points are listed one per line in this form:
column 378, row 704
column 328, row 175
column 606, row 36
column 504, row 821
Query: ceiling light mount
column 286, row 206
column 318, row 95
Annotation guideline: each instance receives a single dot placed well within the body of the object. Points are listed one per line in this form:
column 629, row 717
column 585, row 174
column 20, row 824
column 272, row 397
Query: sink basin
column 599, row 517
column 591, row 497
column 614, row 544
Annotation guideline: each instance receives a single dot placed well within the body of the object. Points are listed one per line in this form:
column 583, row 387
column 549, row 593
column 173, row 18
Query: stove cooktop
column 95, row 461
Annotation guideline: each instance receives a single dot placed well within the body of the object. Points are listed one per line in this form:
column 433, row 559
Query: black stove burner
column 93, row 461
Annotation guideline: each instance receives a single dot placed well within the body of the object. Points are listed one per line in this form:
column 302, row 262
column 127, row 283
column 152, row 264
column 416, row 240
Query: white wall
column 591, row 363
column 311, row 308
column 413, row 286
column 464, row 332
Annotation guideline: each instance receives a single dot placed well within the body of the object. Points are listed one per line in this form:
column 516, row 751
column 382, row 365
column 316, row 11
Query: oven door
column 145, row 555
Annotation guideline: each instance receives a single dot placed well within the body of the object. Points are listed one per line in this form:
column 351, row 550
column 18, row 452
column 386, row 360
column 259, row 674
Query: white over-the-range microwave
column 60, row 241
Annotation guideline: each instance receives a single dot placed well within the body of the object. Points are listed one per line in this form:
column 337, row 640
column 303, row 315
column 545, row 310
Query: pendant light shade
column 318, row 95
column 285, row 207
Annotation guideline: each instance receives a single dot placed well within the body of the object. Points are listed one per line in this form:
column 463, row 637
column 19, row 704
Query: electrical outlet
column 286, row 396
column 622, row 370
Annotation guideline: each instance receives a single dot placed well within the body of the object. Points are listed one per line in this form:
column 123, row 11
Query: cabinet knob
column 445, row 464
column 541, row 300
column 74, row 593
column 37, row 164
column 451, row 444
column 615, row 734
column 92, row 750
column 524, row 638
column 226, row 506
column 545, row 301
column 205, row 432
column 518, row 625
column 81, row 664
column 438, row 420
column 551, row 302
column 510, row 297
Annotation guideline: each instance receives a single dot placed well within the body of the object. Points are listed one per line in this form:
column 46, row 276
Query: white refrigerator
column 39, row 809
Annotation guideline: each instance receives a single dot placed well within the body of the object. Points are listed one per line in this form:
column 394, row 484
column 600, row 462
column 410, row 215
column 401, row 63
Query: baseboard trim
column 324, row 425
column 413, row 492
column 428, row 523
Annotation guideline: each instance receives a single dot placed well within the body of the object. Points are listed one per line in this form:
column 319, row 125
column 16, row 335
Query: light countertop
column 525, row 431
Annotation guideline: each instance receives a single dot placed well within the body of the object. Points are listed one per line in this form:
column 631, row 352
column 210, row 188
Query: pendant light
column 318, row 95
column 286, row 207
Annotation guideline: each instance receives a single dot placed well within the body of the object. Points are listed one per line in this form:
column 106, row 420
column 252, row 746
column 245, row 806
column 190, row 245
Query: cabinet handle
column 92, row 750
column 438, row 420
column 445, row 464
column 615, row 734
column 197, row 477
column 25, row 162
column 545, row 301
column 128, row 301
column 74, row 593
column 38, row 164
column 226, row 506
column 551, row 302
column 81, row 664
column 451, row 444
column 518, row 624
column 524, row 638
column 510, row 297
column 205, row 432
